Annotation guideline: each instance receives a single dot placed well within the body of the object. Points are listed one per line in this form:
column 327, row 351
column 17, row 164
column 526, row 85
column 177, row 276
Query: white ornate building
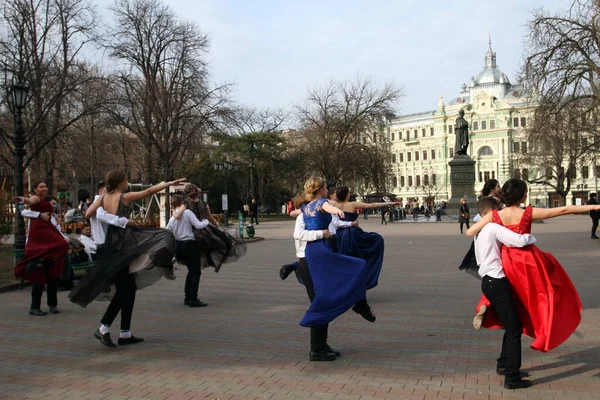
column 496, row 110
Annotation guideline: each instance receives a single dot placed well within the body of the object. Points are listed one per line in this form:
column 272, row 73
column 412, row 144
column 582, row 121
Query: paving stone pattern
column 247, row 343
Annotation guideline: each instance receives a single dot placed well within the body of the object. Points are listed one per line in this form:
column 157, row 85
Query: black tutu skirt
column 219, row 247
column 469, row 262
column 142, row 250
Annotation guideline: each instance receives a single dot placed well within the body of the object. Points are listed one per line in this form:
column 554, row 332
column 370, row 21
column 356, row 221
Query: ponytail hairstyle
column 113, row 179
column 342, row 193
column 489, row 185
column 312, row 186
column 513, row 191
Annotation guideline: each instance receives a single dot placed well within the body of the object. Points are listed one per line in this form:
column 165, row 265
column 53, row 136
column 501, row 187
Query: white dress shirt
column 27, row 213
column 487, row 248
column 182, row 228
column 336, row 222
column 99, row 223
column 302, row 236
column 89, row 246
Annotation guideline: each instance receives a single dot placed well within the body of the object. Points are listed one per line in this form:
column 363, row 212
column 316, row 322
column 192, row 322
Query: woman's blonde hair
column 312, row 186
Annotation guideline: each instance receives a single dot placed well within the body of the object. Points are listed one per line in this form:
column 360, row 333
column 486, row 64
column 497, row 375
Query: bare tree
column 341, row 121
column 43, row 46
column 163, row 96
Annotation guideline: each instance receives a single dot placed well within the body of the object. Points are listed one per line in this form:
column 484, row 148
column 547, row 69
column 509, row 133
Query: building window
column 433, row 179
column 585, row 172
column 416, row 133
column 394, row 160
column 516, row 174
column 525, row 174
column 393, row 136
column 394, row 181
column 574, row 173
column 402, row 181
column 418, row 180
column 451, row 153
column 401, row 157
column 475, row 125
column 516, row 147
column 425, row 180
column 424, row 155
column 515, row 122
column 449, row 128
column 480, row 176
column 408, row 156
column 493, row 174
column 492, row 124
column 407, row 136
column 416, row 156
column 431, row 130
column 423, row 132
column 523, row 122
column 486, row 176
column 485, row 151
column 433, row 154
column 524, row 147
column 548, row 173
column 483, row 125
column 409, row 181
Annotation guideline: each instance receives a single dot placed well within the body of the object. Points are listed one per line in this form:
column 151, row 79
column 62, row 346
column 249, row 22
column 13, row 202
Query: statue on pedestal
column 461, row 130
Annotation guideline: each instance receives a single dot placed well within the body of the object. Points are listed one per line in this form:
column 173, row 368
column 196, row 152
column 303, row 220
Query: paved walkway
column 247, row 344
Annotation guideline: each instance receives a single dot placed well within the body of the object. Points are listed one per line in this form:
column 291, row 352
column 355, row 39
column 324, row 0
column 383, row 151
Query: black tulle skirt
column 141, row 250
column 469, row 262
column 218, row 246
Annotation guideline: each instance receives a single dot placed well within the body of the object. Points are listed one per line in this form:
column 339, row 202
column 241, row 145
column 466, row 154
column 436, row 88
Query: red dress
column 548, row 304
column 44, row 242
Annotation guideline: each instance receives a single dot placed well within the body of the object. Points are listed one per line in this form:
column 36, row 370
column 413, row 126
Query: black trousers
column 187, row 252
column 318, row 334
column 254, row 218
column 51, row 295
column 594, row 226
column 461, row 225
column 499, row 294
column 123, row 301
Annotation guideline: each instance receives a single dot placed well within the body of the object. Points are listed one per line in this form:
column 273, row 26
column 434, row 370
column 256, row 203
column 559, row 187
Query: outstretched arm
column 512, row 239
column 375, row 205
column 33, row 200
column 474, row 230
column 546, row 213
column 134, row 196
column 332, row 210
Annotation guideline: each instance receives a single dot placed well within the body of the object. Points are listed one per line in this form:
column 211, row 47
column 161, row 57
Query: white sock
column 125, row 335
column 104, row 329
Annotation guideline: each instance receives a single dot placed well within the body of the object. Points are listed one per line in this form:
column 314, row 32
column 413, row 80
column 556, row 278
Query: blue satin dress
column 339, row 281
column 369, row 246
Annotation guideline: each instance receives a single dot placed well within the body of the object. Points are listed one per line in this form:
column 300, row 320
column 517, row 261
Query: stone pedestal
column 462, row 181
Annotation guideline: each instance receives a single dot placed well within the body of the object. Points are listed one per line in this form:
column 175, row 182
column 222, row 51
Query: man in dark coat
column 595, row 215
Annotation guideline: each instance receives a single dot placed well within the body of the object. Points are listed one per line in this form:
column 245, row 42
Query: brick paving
column 247, row 343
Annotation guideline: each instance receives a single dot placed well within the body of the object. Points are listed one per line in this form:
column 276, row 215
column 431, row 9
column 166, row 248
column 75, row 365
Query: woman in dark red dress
column 44, row 259
column 547, row 301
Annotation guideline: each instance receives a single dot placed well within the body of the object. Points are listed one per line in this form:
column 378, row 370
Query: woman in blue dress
column 354, row 242
column 338, row 282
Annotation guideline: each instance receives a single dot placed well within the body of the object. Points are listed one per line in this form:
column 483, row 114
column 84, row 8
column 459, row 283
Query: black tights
column 123, row 300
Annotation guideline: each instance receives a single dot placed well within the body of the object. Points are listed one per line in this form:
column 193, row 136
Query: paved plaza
column 247, row 343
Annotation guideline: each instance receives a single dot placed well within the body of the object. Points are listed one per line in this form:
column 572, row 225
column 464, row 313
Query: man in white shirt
column 187, row 249
column 496, row 288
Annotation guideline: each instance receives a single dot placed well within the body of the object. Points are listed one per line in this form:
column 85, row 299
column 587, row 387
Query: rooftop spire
column 490, row 56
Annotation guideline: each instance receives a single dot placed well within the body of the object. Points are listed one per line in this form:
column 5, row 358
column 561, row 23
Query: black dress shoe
column 54, row 310
column 595, row 237
column 330, row 350
column 104, row 339
column 365, row 311
column 186, row 302
column 285, row 271
column 129, row 340
column 197, row 303
column 502, row 371
column 520, row 384
column 37, row 312
column 321, row 355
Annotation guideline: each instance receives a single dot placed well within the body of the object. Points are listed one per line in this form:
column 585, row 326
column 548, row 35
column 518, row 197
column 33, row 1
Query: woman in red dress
column 45, row 251
column 547, row 301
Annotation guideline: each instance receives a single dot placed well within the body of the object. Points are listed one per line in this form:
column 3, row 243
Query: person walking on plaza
column 45, row 250
column 254, row 212
column 463, row 215
column 383, row 210
column 595, row 215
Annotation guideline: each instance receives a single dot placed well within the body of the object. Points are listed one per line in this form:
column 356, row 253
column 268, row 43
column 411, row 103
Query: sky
column 276, row 50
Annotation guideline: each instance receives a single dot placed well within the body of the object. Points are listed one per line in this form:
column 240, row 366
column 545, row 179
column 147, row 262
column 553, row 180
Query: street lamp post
column 19, row 95
column 226, row 167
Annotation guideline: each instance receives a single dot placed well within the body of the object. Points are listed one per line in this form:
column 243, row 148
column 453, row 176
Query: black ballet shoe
column 54, row 310
column 130, row 340
column 197, row 303
column 365, row 311
column 330, row 350
column 104, row 339
column 321, row 355
column 502, row 371
column 37, row 312
column 285, row 271
column 518, row 384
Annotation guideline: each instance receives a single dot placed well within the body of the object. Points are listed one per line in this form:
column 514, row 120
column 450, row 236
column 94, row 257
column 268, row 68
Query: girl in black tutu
column 127, row 261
